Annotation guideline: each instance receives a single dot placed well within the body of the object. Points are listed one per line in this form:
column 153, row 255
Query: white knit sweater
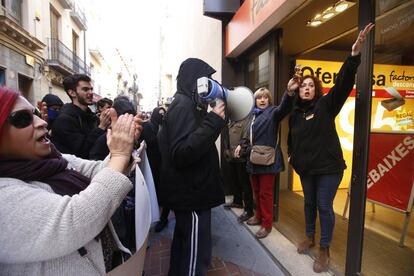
column 40, row 231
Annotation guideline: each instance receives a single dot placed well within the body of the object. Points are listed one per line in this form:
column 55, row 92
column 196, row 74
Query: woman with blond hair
column 263, row 132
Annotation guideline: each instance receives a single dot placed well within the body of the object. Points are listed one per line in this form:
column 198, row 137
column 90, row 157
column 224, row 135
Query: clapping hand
column 120, row 140
column 356, row 48
column 43, row 110
column 105, row 119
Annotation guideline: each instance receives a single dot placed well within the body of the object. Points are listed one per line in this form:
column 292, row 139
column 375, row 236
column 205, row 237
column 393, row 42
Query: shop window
column 258, row 69
column 391, row 158
column 262, row 68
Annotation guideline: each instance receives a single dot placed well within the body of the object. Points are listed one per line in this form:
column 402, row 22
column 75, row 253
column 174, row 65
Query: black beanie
column 51, row 99
column 122, row 105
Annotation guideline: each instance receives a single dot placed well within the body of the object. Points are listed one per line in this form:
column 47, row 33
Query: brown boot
column 321, row 263
column 263, row 232
column 253, row 221
column 307, row 243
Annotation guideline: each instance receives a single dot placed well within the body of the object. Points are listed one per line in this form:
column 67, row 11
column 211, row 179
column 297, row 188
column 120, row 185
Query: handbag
column 266, row 155
column 262, row 155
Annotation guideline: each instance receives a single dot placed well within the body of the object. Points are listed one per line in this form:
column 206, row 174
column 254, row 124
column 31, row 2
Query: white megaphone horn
column 240, row 100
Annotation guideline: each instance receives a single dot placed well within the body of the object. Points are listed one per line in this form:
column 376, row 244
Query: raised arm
column 346, row 76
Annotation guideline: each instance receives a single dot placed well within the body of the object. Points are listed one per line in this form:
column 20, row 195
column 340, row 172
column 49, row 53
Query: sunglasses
column 22, row 118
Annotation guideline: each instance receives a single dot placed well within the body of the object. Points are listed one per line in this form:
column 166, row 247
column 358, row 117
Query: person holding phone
column 315, row 151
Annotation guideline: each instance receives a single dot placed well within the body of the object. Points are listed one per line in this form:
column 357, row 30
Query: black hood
column 156, row 117
column 190, row 70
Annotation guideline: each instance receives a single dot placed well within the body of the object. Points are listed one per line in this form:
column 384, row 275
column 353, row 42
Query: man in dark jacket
column 190, row 181
column 76, row 128
column 239, row 138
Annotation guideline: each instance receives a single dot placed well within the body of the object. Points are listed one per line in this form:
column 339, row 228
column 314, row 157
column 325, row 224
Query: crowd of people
column 66, row 180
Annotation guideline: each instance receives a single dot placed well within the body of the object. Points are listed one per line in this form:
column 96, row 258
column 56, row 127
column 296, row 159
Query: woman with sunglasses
column 314, row 148
column 55, row 208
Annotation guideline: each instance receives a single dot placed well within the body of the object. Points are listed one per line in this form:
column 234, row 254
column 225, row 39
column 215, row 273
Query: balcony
column 66, row 4
column 78, row 16
column 15, row 33
column 63, row 60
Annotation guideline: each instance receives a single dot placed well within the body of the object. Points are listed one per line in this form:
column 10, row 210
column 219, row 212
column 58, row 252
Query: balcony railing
column 64, row 60
column 78, row 16
column 65, row 3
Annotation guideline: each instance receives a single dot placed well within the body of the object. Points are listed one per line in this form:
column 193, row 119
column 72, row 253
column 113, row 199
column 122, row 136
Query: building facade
column 42, row 42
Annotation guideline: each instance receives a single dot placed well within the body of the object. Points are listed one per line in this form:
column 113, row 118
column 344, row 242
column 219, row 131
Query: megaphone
column 240, row 100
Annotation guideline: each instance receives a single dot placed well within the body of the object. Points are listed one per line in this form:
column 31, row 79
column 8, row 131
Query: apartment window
column 16, row 9
column 25, row 86
column 75, row 43
column 3, row 3
column 54, row 23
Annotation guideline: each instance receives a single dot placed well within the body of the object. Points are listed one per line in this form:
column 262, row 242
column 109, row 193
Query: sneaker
column 160, row 225
column 233, row 205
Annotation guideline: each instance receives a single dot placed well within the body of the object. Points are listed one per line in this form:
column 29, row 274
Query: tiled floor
column 158, row 255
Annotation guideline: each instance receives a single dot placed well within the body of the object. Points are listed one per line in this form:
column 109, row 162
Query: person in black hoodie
column 53, row 105
column 315, row 151
column 149, row 134
column 76, row 128
column 191, row 183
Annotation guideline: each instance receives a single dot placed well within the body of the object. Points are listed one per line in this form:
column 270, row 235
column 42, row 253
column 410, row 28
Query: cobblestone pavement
column 235, row 250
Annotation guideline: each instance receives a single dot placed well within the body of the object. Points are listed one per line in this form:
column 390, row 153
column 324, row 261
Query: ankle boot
column 307, row 243
column 321, row 263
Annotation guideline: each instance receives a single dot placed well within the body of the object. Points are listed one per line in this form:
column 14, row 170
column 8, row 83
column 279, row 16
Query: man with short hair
column 76, row 128
column 103, row 104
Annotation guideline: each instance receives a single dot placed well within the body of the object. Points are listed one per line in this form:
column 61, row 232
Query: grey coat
column 42, row 231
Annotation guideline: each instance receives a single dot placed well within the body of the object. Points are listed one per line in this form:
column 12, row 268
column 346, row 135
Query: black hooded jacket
column 149, row 134
column 313, row 143
column 190, row 178
column 75, row 131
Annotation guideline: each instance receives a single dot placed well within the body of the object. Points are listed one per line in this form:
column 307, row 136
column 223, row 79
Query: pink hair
column 8, row 98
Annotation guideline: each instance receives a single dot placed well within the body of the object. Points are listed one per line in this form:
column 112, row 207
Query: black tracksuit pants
column 191, row 245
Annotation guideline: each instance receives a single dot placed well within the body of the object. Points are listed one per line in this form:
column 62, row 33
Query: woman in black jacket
column 315, row 151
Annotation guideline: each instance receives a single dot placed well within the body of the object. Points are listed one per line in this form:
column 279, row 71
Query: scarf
column 257, row 111
column 51, row 170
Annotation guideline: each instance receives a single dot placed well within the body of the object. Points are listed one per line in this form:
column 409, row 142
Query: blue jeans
column 320, row 191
